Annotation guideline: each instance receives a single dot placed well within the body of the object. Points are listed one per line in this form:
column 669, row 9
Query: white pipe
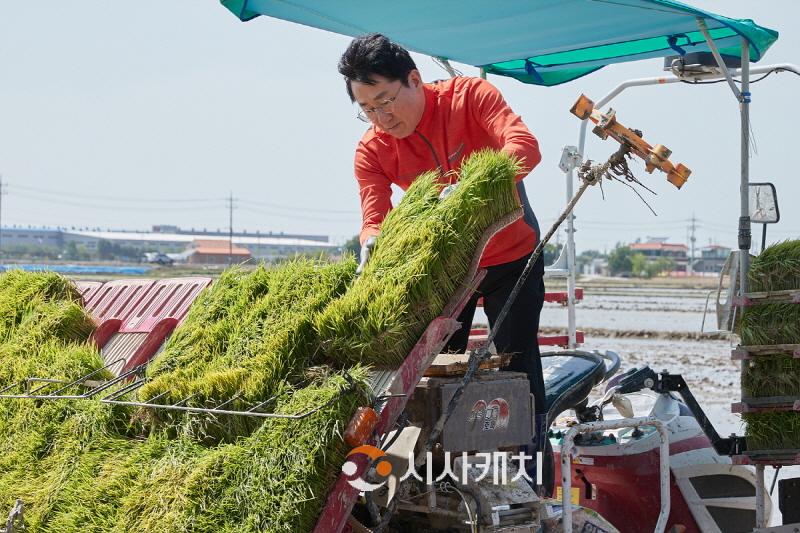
column 572, row 340
column 589, row 427
column 744, row 191
column 760, row 495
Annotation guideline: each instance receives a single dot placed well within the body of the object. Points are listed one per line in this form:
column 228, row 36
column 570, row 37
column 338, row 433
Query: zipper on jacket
column 435, row 157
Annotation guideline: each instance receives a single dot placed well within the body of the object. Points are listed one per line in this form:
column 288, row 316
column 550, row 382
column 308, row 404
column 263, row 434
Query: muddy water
column 646, row 328
column 634, row 309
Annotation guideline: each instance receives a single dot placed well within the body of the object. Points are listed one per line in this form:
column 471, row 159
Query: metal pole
column 744, row 193
column 760, row 495
column 571, row 323
column 701, row 23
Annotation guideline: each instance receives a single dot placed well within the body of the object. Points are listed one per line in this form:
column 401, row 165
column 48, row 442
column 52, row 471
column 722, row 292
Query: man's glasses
column 368, row 114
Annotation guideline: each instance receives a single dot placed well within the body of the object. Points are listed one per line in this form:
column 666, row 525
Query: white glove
column 447, row 190
column 366, row 251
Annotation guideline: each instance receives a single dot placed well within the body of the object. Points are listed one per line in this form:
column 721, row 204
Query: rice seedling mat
column 760, row 350
column 770, row 350
column 767, row 458
column 767, row 404
column 452, row 364
column 791, row 296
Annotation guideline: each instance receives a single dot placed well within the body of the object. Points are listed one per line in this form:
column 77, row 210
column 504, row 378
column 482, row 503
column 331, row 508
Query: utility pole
column 230, row 229
column 692, row 240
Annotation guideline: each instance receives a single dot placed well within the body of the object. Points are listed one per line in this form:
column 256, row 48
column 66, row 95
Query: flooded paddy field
column 636, row 309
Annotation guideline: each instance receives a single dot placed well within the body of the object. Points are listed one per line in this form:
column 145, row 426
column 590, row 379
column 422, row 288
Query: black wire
column 739, row 81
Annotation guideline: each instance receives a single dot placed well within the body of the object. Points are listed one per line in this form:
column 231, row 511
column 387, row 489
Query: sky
column 126, row 115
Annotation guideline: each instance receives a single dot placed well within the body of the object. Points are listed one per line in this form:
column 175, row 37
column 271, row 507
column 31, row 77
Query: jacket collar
column 430, row 102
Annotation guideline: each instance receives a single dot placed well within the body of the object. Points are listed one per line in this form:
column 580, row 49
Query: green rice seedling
column 19, row 291
column 421, row 258
column 777, row 430
column 274, row 480
column 265, row 347
column 205, row 331
column 53, row 447
column 776, row 268
column 774, row 323
column 772, row 375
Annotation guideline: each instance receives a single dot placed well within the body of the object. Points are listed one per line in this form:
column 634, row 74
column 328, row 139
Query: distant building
column 658, row 249
column 598, row 266
column 37, row 237
column 712, row 258
column 169, row 239
column 216, row 252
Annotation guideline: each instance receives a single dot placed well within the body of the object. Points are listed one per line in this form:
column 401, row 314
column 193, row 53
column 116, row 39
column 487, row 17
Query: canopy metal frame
column 743, row 96
column 574, row 156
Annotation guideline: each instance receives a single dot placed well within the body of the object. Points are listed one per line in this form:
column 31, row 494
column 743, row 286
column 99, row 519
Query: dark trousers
column 518, row 335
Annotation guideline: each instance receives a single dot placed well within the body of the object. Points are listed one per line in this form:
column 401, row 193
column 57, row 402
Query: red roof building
column 216, row 252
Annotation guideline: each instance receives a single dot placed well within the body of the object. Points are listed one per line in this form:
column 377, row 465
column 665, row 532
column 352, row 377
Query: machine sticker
column 588, row 527
column 574, row 495
column 583, row 460
column 491, row 416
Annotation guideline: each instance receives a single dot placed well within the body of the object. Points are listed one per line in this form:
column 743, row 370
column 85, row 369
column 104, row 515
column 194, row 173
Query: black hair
column 374, row 54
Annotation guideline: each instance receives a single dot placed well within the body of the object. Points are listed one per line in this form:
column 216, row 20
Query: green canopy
column 544, row 42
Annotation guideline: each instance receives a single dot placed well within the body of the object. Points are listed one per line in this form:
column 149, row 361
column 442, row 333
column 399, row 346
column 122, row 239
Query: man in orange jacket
column 418, row 127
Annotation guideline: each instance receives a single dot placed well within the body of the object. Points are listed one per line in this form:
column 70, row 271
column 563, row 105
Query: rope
column 616, row 168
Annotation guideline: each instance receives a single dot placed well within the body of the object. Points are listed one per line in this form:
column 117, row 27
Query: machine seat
column 569, row 377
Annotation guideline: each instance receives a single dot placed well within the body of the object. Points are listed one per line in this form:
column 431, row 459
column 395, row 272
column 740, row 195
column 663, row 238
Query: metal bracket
column 15, row 522
column 570, row 159
column 665, row 382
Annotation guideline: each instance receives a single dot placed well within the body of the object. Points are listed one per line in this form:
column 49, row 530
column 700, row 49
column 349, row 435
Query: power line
column 60, row 195
column 60, row 201
column 72, row 194
column 296, row 216
column 296, row 208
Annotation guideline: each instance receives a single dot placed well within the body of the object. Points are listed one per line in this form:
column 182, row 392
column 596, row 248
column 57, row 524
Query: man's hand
column 366, row 251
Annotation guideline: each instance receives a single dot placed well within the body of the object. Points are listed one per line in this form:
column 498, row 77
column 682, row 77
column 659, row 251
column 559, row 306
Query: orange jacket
column 461, row 115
